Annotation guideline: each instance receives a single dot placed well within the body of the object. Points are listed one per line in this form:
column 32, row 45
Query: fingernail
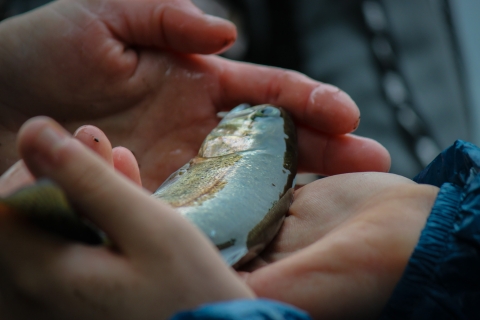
column 216, row 20
column 355, row 126
column 78, row 130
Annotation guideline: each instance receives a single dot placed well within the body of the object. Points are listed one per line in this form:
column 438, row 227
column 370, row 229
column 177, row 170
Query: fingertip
column 321, row 106
column 336, row 154
column 376, row 156
column 31, row 127
column 190, row 31
column 37, row 136
column 125, row 162
column 357, row 154
column 224, row 33
column 175, row 25
column 96, row 140
column 332, row 110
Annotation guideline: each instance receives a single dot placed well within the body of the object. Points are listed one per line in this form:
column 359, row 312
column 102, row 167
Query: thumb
column 115, row 204
column 177, row 25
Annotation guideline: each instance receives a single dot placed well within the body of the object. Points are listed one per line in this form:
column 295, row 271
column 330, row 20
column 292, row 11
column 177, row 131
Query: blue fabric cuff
column 442, row 278
column 258, row 309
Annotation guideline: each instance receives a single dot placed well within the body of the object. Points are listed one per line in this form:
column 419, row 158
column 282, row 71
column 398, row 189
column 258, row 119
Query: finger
column 104, row 197
column 330, row 155
column 15, row 178
column 177, row 25
column 18, row 175
column 321, row 106
column 124, row 161
column 96, row 140
column 120, row 158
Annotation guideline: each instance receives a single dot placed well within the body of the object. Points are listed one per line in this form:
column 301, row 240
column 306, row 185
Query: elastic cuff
column 417, row 294
column 258, row 309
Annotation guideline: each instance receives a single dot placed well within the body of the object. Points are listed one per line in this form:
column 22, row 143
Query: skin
column 66, row 280
column 340, row 252
column 135, row 70
column 344, row 245
column 120, row 158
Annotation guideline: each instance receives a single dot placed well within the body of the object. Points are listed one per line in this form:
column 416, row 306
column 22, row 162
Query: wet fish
column 238, row 188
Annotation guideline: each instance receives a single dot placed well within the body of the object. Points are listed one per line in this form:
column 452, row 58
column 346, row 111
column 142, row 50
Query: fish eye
column 268, row 112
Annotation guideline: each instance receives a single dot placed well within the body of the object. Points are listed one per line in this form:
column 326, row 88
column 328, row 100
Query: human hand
column 344, row 246
column 120, row 158
column 116, row 64
column 160, row 265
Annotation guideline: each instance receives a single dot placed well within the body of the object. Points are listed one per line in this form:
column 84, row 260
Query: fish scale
column 237, row 190
column 239, row 187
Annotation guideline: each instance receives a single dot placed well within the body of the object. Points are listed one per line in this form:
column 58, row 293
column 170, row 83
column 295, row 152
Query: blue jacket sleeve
column 442, row 278
column 259, row 309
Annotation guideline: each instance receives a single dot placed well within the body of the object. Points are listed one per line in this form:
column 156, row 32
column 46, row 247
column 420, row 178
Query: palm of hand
column 344, row 245
column 159, row 105
column 165, row 128
column 110, row 68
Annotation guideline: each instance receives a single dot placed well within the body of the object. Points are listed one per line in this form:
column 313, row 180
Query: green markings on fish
column 207, row 177
column 238, row 188
column 46, row 205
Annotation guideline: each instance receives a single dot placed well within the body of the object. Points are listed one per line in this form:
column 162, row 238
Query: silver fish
column 238, row 188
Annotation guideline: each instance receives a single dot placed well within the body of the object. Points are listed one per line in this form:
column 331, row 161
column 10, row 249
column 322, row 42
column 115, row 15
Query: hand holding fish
column 132, row 69
column 340, row 252
column 120, row 158
column 66, row 280
column 344, row 245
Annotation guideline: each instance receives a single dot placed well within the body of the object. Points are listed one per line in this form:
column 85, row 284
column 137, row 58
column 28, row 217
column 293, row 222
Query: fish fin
column 238, row 108
column 222, row 114
column 233, row 254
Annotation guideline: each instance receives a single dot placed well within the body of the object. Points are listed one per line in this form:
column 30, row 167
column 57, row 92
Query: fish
column 237, row 190
column 239, row 187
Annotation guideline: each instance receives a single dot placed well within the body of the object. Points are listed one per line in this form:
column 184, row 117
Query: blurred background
column 412, row 66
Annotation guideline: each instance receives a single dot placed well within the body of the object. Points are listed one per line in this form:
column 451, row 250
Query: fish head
column 245, row 127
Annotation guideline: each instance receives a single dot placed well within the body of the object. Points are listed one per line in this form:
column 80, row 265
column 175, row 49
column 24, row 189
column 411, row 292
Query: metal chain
column 394, row 85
